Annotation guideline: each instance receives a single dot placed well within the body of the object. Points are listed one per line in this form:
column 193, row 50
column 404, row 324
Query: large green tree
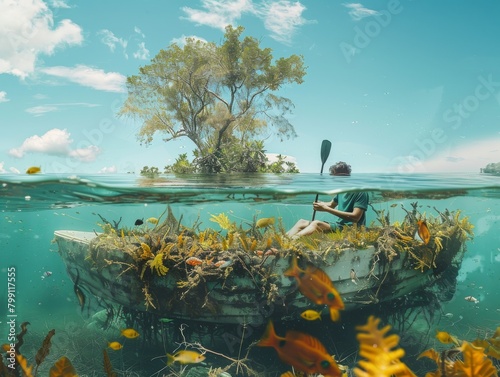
column 222, row 97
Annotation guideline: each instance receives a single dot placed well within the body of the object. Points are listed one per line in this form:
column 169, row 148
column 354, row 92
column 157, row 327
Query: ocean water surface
column 33, row 207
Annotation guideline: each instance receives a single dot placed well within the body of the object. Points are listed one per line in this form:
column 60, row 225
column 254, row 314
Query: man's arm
column 353, row 216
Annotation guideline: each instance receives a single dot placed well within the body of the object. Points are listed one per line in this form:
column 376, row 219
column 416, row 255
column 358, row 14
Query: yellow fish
column 185, row 357
column 311, row 315
column 446, row 338
column 34, row 170
column 130, row 333
column 115, row 346
column 152, row 220
column 264, row 222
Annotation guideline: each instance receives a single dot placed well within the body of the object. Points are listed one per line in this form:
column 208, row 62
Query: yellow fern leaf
column 379, row 350
column 475, row 363
column 157, row 265
column 23, row 363
column 222, row 220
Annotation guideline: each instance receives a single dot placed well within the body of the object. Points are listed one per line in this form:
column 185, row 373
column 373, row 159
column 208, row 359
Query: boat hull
column 360, row 277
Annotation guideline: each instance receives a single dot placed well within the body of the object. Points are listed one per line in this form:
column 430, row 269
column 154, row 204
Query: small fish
column 302, row 351
column 223, row 263
column 445, row 338
column 78, row 292
column 316, row 285
column 449, row 315
column 46, row 274
column 33, row 170
column 115, row 346
column 354, row 277
column 264, row 222
column 185, row 357
column 129, row 333
column 193, row 261
column 152, row 220
column 139, row 222
column 423, row 231
column 394, row 205
column 311, row 315
column 165, row 320
column 472, row 299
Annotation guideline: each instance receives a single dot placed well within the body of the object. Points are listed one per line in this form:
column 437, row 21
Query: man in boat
column 349, row 208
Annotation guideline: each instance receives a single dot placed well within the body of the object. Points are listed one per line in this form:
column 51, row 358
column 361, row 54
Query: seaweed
column 44, row 350
column 108, row 368
column 62, row 368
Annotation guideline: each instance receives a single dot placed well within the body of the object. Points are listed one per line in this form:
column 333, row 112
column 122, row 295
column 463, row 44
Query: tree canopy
column 222, row 97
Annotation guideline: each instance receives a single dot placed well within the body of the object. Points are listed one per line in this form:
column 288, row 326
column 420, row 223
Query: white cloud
column 283, row 18
column 59, row 4
column 91, row 77
column 2, row 170
column 273, row 157
column 469, row 157
column 14, row 170
column 181, row 41
column 138, row 31
column 87, row 154
column 27, row 31
column 110, row 40
column 358, row 11
column 3, row 97
column 42, row 109
column 219, row 13
column 55, row 142
column 142, row 52
column 108, row 170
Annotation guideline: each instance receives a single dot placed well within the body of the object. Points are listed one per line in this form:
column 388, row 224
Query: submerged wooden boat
column 248, row 286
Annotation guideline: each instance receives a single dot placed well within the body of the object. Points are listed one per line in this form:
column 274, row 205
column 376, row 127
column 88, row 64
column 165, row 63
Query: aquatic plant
column 382, row 358
column 17, row 364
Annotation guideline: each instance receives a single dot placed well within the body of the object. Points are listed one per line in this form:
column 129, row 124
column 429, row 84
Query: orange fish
column 423, row 231
column 315, row 284
column 193, row 261
column 302, row 351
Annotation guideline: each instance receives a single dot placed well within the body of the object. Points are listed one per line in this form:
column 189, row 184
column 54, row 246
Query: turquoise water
column 33, row 207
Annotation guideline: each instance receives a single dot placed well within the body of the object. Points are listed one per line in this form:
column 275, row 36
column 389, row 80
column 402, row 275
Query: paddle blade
column 326, row 146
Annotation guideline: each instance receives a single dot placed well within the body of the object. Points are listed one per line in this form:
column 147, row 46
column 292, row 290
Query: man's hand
column 321, row 206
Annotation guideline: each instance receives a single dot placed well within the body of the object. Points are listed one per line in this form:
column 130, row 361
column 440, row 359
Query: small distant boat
column 251, row 288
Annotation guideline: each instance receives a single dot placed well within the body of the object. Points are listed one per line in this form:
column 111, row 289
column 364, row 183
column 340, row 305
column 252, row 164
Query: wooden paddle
column 326, row 146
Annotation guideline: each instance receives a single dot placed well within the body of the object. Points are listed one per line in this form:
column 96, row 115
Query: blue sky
column 399, row 85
